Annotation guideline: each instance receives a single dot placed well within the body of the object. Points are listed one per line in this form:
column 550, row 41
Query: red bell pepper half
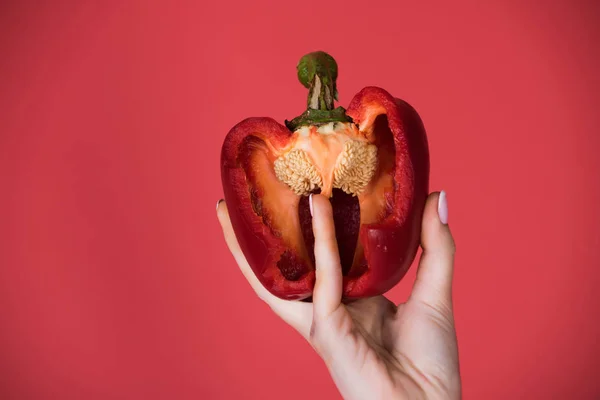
column 371, row 160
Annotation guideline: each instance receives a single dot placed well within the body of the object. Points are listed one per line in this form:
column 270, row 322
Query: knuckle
column 315, row 339
column 452, row 247
column 449, row 245
column 312, row 335
column 441, row 314
column 263, row 297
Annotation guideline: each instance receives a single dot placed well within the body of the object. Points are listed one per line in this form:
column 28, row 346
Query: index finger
column 327, row 294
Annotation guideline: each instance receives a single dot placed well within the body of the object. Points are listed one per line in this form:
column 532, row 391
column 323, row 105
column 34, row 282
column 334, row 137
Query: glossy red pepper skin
column 390, row 244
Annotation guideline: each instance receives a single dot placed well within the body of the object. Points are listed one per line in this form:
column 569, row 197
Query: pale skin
column 372, row 348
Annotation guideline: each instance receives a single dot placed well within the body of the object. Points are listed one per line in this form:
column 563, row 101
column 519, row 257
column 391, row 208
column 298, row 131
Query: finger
column 296, row 314
column 327, row 294
column 436, row 266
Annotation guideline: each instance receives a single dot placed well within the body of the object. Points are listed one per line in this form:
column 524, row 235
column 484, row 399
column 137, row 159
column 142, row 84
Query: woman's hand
column 373, row 348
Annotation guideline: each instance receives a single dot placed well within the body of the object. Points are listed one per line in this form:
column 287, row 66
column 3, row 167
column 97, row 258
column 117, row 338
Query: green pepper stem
column 318, row 72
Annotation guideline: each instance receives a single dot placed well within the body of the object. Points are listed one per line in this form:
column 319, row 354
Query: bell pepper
column 371, row 160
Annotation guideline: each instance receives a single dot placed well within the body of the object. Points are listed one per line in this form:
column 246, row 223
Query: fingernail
column 310, row 204
column 219, row 202
column 443, row 208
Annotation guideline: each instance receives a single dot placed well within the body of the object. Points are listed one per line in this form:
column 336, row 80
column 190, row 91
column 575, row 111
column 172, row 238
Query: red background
column 114, row 278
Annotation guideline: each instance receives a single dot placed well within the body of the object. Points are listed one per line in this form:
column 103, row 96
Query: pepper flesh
column 378, row 232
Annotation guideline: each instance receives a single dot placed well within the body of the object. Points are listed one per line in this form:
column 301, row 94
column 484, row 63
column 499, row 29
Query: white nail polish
column 310, row 204
column 443, row 208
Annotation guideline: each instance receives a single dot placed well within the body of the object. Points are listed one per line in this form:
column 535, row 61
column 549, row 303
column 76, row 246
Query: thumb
column 433, row 285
